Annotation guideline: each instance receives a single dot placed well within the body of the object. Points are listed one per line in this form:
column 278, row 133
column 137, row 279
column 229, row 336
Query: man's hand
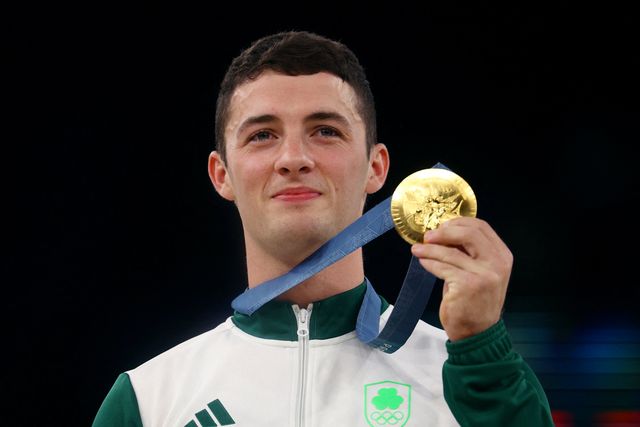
column 475, row 265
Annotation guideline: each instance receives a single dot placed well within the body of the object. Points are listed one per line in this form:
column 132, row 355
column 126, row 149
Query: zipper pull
column 302, row 315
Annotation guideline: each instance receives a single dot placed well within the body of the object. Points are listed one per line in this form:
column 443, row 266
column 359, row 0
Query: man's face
column 297, row 166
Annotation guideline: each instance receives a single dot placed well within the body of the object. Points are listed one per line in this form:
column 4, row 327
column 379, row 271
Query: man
column 297, row 154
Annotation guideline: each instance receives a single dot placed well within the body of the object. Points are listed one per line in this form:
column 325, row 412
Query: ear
column 219, row 176
column 378, row 168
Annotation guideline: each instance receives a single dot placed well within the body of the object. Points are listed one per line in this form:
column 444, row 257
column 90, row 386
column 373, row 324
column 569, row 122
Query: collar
column 331, row 317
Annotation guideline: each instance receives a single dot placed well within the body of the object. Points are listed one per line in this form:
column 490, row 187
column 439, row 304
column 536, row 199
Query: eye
column 261, row 136
column 328, row 132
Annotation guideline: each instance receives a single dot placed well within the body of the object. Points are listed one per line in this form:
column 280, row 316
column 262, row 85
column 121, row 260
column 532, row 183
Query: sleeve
column 120, row 407
column 486, row 383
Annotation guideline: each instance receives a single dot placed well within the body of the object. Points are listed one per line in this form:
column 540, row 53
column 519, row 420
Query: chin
column 304, row 236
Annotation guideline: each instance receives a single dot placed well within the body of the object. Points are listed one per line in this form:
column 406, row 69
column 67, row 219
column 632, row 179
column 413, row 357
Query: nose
column 294, row 157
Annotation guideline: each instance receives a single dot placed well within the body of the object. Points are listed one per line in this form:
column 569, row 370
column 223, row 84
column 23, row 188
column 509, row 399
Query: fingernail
column 429, row 235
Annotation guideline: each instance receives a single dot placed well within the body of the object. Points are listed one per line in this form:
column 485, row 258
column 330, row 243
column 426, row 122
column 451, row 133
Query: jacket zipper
column 302, row 316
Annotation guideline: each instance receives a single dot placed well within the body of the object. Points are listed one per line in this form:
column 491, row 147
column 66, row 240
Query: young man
column 297, row 154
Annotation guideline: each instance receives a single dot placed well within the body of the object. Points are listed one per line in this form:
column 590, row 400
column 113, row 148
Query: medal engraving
column 428, row 198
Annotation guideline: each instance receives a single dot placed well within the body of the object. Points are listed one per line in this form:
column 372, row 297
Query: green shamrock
column 387, row 398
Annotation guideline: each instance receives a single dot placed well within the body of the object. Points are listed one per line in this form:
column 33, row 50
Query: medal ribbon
column 412, row 298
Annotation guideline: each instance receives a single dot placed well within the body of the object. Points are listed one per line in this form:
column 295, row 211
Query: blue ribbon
column 410, row 304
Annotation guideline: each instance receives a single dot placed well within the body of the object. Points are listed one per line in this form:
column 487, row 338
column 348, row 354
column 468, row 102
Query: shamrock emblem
column 387, row 398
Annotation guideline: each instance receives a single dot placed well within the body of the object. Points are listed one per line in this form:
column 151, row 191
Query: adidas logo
column 205, row 418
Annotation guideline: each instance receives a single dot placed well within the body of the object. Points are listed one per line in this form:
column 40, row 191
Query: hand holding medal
column 434, row 210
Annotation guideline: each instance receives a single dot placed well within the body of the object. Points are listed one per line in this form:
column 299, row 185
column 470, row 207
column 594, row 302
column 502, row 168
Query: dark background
column 120, row 248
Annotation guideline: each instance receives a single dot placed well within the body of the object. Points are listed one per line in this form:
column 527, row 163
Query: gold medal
column 426, row 199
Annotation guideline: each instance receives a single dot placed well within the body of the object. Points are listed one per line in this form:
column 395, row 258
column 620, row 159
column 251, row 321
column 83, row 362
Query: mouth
column 297, row 194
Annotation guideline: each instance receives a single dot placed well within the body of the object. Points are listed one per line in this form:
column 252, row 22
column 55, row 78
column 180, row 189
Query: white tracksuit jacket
column 285, row 366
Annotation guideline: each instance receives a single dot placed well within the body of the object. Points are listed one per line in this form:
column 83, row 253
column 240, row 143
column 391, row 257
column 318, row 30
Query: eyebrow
column 327, row 115
column 257, row 120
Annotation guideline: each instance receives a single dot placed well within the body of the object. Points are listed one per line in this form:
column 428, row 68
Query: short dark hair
column 296, row 53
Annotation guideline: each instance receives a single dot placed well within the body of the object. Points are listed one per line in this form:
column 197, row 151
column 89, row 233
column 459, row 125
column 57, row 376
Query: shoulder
column 192, row 350
column 160, row 383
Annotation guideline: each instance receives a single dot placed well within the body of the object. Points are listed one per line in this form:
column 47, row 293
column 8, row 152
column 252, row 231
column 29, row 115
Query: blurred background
column 119, row 247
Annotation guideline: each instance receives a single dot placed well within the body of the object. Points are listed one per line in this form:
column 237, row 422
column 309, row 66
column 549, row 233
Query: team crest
column 387, row 403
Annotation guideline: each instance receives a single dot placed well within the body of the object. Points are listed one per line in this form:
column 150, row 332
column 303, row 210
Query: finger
column 447, row 255
column 482, row 225
column 470, row 238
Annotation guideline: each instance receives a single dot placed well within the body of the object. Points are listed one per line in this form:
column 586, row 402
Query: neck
column 339, row 277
